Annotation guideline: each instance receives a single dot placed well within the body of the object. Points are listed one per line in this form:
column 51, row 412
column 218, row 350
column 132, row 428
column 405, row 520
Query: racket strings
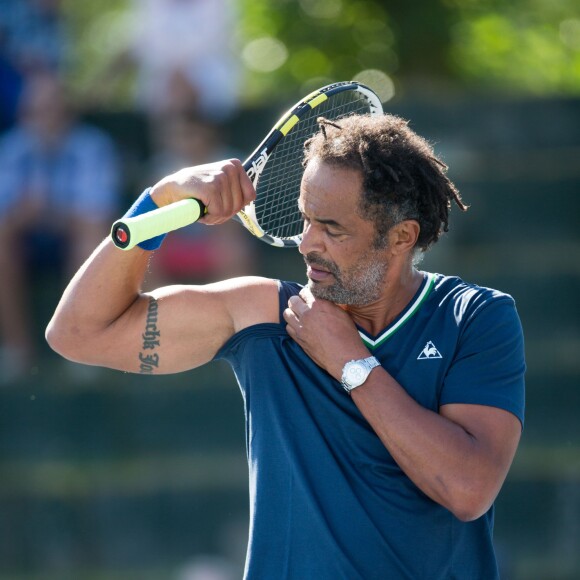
column 278, row 187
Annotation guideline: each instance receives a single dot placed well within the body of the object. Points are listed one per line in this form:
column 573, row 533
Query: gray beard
column 359, row 286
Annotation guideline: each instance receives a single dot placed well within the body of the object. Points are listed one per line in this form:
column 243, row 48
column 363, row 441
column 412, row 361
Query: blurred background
column 105, row 475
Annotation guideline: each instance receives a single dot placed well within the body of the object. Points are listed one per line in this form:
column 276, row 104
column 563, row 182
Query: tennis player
column 384, row 404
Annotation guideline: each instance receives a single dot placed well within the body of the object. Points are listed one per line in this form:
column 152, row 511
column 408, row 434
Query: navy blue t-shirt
column 327, row 500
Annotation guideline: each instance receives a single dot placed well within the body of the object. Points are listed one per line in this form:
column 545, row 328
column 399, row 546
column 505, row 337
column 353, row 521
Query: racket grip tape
column 127, row 232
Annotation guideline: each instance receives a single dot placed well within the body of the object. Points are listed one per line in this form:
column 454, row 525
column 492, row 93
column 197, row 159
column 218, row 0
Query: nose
column 311, row 240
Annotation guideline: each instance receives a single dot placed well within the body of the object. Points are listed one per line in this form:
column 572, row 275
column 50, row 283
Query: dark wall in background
column 107, row 475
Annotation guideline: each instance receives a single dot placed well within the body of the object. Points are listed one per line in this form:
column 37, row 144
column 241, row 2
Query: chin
column 316, row 288
column 324, row 292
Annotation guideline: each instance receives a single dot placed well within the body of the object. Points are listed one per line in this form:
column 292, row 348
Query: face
column 45, row 107
column 342, row 264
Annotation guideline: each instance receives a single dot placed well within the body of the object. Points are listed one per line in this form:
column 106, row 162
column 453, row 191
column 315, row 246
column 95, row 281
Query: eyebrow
column 328, row 222
column 324, row 221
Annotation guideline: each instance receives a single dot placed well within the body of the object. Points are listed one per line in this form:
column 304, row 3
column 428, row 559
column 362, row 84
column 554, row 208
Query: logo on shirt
column 429, row 351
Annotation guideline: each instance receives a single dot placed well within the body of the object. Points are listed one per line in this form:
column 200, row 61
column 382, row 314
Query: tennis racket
column 275, row 168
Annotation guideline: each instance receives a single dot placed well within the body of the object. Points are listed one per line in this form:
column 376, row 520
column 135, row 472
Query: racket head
column 275, row 167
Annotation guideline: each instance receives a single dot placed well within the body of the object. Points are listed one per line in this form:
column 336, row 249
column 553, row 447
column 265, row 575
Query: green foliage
column 531, row 47
column 291, row 46
column 323, row 41
column 98, row 32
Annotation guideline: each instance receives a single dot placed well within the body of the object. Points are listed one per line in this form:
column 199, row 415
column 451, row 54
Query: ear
column 403, row 236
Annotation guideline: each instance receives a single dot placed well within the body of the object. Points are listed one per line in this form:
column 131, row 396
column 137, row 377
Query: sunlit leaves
column 287, row 46
column 326, row 40
column 525, row 47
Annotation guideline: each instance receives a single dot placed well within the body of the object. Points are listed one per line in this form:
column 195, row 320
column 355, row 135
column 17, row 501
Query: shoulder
column 286, row 290
column 468, row 310
column 453, row 287
column 467, row 299
column 480, row 318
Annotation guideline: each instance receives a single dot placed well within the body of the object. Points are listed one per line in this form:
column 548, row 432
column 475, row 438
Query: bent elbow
column 468, row 507
column 470, row 513
column 60, row 340
column 54, row 338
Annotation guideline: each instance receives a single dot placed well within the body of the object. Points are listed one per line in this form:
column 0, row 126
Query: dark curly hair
column 402, row 177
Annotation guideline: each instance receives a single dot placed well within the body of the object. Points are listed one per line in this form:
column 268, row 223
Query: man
column 393, row 473
column 60, row 188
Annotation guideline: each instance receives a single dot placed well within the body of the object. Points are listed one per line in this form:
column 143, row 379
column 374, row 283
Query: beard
column 357, row 286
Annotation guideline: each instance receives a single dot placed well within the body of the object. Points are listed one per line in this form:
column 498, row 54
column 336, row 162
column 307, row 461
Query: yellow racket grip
column 126, row 233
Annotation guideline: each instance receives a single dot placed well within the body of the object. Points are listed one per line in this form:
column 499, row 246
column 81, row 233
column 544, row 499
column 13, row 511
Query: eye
column 333, row 234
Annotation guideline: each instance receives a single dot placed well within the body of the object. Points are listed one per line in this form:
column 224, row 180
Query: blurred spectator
column 184, row 54
column 34, row 34
column 33, row 39
column 59, row 192
column 10, row 88
column 198, row 252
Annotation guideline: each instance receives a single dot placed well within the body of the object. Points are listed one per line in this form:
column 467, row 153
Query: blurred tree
column 310, row 42
column 98, row 33
column 517, row 45
column 526, row 46
column 423, row 33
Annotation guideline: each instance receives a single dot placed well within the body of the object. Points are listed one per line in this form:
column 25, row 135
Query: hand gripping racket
column 275, row 168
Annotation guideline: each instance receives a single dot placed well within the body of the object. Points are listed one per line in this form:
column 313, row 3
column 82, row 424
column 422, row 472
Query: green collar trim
column 411, row 311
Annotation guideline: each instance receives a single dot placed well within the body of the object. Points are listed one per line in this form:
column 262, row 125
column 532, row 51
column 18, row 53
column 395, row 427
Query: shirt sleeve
column 489, row 364
column 285, row 291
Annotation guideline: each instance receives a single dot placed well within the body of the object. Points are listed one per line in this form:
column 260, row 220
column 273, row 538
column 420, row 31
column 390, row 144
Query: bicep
column 178, row 328
column 169, row 330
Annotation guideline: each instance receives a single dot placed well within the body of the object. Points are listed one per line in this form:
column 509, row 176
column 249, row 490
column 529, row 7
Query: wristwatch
column 355, row 372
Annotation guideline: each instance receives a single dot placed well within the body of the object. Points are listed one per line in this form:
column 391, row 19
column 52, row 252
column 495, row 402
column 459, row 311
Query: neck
column 399, row 288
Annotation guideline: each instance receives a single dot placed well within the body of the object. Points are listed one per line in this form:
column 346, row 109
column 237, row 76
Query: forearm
column 440, row 456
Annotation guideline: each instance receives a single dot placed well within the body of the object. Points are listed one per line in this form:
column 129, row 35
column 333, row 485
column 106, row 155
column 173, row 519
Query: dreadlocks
column 402, row 177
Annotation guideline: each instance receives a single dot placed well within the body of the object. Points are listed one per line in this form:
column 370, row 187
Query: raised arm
column 104, row 319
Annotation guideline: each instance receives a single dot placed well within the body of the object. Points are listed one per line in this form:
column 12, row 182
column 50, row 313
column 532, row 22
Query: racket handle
column 126, row 233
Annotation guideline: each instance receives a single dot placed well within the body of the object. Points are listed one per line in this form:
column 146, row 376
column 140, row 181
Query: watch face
column 356, row 374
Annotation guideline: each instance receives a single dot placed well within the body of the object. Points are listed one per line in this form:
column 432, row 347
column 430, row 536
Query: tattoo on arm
column 148, row 358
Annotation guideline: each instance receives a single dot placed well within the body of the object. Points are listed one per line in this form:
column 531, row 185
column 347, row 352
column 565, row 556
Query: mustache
column 313, row 259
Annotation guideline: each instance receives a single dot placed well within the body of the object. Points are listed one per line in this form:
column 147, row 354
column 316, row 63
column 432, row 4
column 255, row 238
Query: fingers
column 307, row 296
column 290, row 317
column 229, row 189
column 297, row 305
column 223, row 187
column 246, row 185
column 296, row 308
column 293, row 324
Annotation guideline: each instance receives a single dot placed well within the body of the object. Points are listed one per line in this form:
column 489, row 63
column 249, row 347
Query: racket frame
column 128, row 232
